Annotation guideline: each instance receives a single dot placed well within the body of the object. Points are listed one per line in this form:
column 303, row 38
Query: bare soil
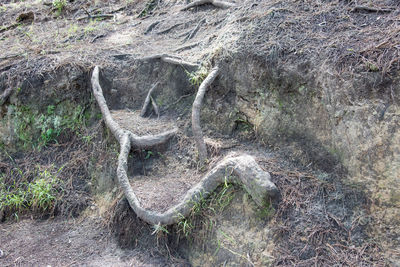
column 75, row 242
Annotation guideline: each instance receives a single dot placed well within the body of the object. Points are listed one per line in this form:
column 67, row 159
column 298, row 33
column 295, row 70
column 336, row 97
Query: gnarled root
column 256, row 182
column 217, row 3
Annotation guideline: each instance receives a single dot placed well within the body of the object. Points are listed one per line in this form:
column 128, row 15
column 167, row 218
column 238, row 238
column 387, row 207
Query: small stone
column 1, row 254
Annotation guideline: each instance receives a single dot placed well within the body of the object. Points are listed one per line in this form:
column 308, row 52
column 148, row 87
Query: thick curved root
column 196, row 128
column 241, row 169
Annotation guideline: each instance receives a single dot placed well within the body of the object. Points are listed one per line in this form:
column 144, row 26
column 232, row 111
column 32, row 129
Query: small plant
column 37, row 130
column 149, row 153
column 42, row 194
column 88, row 138
column 16, row 200
column 159, row 229
column 59, row 5
column 196, row 78
column 38, row 195
column 91, row 27
column 205, row 208
column 185, row 226
column 372, row 67
column 243, row 124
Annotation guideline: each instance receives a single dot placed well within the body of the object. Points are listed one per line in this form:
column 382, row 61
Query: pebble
column 1, row 254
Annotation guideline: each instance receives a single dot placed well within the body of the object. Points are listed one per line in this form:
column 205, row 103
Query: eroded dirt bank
column 310, row 89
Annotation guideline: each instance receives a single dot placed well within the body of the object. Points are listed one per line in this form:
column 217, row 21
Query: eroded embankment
column 318, row 219
column 315, row 82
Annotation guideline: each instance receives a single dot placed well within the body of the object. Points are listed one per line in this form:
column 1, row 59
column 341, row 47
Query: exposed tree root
column 99, row 16
column 4, row 96
column 256, row 182
column 147, row 100
column 241, row 169
column 117, row 131
column 155, row 107
column 217, row 3
column 187, row 47
column 151, row 27
column 171, row 59
column 194, row 31
column 169, row 29
column 196, row 128
column 97, row 37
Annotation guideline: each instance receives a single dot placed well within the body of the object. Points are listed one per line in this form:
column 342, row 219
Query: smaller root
column 97, row 37
column 169, row 29
column 172, row 60
column 195, row 30
column 155, row 107
column 216, row 3
column 9, row 27
column 99, row 16
column 151, row 27
column 187, row 47
column 148, row 99
column 148, row 141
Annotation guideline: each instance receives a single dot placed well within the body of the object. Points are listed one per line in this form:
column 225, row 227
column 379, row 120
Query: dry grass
column 328, row 32
column 320, row 221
